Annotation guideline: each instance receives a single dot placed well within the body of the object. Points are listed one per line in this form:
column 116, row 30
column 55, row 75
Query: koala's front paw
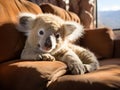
column 47, row 57
column 76, row 68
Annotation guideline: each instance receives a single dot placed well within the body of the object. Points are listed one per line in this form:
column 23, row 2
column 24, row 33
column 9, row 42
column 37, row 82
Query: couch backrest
column 85, row 9
column 11, row 41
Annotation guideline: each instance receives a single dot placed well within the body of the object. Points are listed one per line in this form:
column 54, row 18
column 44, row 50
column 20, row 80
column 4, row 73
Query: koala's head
column 47, row 32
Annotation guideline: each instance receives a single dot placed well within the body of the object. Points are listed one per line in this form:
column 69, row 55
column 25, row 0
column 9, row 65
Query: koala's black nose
column 38, row 45
column 48, row 43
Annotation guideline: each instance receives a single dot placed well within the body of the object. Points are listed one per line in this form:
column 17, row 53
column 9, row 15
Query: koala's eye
column 57, row 35
column 41, row 32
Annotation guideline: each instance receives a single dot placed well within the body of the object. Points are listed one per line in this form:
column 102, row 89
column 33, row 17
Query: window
column 108, row 13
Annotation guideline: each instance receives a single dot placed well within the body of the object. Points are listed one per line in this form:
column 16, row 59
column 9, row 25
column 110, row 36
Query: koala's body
column 49, row 38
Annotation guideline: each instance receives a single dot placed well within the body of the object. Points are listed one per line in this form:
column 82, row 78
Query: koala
column 49, row 37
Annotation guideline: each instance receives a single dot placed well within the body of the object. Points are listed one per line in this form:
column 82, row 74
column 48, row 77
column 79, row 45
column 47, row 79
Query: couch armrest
column 106, row 78
column 100, row 41
column 29, row 75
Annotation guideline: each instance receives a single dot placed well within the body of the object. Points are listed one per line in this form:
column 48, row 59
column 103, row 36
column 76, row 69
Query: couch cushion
column 106, row 78
column 11, row 41
column 66, row 15
column 100, row 41
column 29, row 75
column 110, row 61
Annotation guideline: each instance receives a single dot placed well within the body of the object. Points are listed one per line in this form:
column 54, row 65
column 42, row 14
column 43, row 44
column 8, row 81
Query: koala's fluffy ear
column 73, row 30
column 25, row 21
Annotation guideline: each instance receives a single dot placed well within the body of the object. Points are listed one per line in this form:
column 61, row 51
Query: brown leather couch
column 16, row 74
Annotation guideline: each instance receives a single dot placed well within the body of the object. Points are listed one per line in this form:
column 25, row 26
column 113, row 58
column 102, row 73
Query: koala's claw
column 47, row 57
column 77, row 69
column 40, row 57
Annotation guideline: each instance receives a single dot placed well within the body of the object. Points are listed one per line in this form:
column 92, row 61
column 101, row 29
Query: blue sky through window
column 108, row 5
column 108, row 13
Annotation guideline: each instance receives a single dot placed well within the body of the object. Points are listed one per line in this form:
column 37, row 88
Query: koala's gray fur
column 49, row 38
